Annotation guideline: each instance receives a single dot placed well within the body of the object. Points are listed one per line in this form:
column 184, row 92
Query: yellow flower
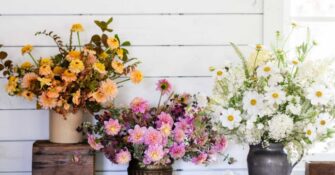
column 11, row 85
column 45, row 70
column 117, row 66
column 99, row 97
column 256, row 59
column 77, row 28
column 113, row 43
column 44, row 81
column 26, row 65
column 58, row 70
column 109, row 88
column 103, row 55
column 69, row 76
column 28, row 95
column 119, row 53
column 76, row 66
column 99, row 67
column 26, row 49
column 73, row 55
column 76, row 97
column 136, row 76
column 46, row 61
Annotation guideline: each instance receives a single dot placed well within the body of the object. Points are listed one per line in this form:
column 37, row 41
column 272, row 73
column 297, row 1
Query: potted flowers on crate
column 275, row 99
column 78, row 78
column 150, row 139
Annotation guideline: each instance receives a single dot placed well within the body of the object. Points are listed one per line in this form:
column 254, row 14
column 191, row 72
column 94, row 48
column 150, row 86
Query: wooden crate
column 320, row 168
column 62, row 159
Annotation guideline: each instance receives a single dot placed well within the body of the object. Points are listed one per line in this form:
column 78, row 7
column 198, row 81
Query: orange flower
column 76, row 66
column 28, row 79
column 58, row 70
column 69, row 76
column 117, row 66
column 77, row 28
column 26, row 49
column 113, row 43
column 28, row 95
column 73, row 55
column 11, row 85
column 47, row 102
column 119, row 53
column 76, row 97
column 136, row 76
column 54, row 92
column 45, row 70
column 99, row 97
column 109, row 88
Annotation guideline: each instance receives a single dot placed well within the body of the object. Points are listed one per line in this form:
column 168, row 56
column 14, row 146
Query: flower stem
column 159, row 103
column 32, row 57
column 79, row 41
column 254, row 67
column 123, row 81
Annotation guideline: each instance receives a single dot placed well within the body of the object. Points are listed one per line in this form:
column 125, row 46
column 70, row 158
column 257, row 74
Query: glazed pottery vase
column 63, row 129
column 135, row 169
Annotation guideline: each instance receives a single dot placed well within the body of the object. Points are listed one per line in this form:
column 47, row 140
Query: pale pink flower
column 139, row 105
column 27, row 79
column 164, row 86
column 136, row 135
column 91, row 141
column 179, row 135
column 177, row 151
column 47, row 102
column 164, row 118
column 154, row 153
column 220, row 144
column 123, row 157
column 201, row 158
column 112, row 127
column 153, row 137
column 165, row 129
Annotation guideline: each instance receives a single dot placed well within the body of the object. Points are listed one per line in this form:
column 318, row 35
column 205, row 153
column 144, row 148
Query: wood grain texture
column 59, row 159
column 320, row 168
column 140, row 30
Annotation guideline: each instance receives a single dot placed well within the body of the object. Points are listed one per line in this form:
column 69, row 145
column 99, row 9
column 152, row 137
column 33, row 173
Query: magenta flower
column 154, row 153
column 123, row 157
column 153, row 137
column 139, row 105
column 92, row 142
column 179, row 135
column 112, row 127
column 220, row 144
column 164, row 86
column 201, row 158
column 164, row 118
column 136, row 135
column 177, row 151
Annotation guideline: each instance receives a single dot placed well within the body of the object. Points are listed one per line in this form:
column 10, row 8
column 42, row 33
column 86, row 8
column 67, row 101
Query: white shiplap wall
column 175, row 39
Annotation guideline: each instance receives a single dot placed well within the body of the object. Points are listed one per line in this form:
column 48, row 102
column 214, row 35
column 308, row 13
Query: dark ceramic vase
column 271, row 160
column 135, row 169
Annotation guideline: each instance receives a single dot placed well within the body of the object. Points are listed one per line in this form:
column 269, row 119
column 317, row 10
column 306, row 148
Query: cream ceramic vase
column 63, row 130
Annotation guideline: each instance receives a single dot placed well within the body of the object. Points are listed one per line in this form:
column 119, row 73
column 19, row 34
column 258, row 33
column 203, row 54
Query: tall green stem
column 32, row 57
column 159, row 102
column 79, row 41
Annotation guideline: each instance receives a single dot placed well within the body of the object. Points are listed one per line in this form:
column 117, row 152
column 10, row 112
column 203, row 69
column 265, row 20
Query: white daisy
column 230, row 118
column 275, row 95
column 310, row 132
column 219, row 74
column 323, row 122
column 252, row 102
column 319, row 95
column 294, row 62
column 267, row 70
column 275, row 79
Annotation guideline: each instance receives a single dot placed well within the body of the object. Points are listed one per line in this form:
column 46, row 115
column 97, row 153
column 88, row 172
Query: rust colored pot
column 135, row 169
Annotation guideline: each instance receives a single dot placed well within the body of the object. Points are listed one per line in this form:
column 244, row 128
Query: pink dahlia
column 164, row 86
column 123, row 157
column 179, row 135
column 139, row 105
column 165, row 129
column 177, row 151
column 92, row 142
column 201, row 158
column 164, row 118
column 154, row 153
column 136, row 135
column 112, row 127
column 220, row 144
column 153, row 137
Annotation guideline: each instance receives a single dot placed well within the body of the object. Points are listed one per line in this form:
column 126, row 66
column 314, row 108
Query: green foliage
column 240, row 55
column 104, row 25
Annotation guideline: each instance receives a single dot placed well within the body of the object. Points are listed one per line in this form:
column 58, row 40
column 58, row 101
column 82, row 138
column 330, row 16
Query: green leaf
column 126, row 43
column 239, row 53
column 110, row 20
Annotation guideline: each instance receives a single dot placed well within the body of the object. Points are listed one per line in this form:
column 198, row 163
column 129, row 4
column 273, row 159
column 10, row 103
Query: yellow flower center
column 275, row 95
column 230, row 118
column 267, row 69
column 322, row 122
column 309, row 132
column 219, row 73
column 253, row 102
column 318, row 93
column 295, row 62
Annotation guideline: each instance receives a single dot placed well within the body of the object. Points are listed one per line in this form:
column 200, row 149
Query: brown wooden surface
column 62, row 159
column 320, row 168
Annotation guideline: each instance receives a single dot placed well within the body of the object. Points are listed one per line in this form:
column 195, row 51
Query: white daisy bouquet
column 275, row 96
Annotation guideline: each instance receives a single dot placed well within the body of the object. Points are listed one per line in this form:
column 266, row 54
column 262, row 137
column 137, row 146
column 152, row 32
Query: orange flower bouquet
column 78, row 77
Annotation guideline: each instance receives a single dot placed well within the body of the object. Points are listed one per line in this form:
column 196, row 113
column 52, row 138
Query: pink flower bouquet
column 180, row 129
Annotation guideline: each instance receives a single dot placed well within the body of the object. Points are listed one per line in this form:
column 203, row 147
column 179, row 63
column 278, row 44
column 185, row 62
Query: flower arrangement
column 276, row 97
column 87, row 76
column 178, row 129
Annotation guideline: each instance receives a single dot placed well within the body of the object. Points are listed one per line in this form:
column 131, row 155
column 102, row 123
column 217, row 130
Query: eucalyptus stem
column 32, row 57
column 79, row 41
column 123, row 81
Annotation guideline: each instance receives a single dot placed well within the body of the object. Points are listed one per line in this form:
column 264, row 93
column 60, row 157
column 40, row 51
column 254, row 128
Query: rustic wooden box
column 62, row 159
column 320, row 168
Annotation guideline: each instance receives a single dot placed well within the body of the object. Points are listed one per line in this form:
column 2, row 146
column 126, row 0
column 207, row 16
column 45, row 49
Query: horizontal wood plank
column 140, row 30
column 161, row 61
column 130, row 6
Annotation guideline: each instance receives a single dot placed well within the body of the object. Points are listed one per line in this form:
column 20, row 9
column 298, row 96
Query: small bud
column 315, row 43
column 294, row 24
column 212, row 68
column 259, row 47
